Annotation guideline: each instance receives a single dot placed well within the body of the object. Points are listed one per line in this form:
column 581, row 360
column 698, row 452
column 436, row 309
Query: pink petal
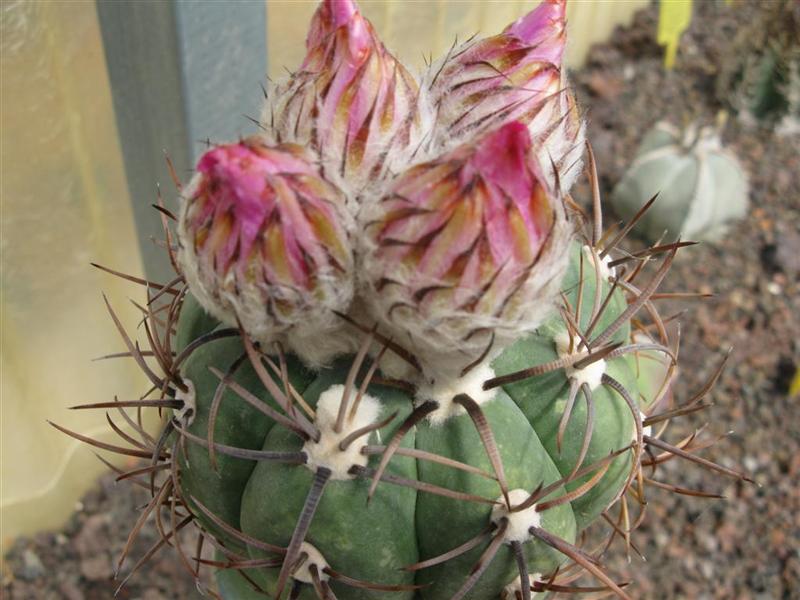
column 546, row 23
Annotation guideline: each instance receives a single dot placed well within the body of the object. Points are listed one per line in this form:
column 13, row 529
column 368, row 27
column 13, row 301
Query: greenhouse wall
column 64, row 204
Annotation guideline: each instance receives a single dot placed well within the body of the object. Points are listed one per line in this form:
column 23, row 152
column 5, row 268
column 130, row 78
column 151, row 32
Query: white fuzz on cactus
column 646, row 429
column 443, row 390
column 593, row 261
column 264, row 241
column 327, row 451
column 513, row 591
column 313, row 558
column 188, row 397
column 591, row 374
column 702, row 188
column 519, row 521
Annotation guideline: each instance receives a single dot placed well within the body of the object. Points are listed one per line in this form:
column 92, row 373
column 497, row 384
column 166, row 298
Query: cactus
column 761, row 78
column 701, row 187
column 427, row 392
column 760, row 73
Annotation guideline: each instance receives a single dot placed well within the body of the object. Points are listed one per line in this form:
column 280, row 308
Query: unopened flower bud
column 351, row 100
column 264, row 240
column 514, row 76
column 467, row 250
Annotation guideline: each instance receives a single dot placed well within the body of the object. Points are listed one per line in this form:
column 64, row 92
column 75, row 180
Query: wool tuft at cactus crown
column 397, row 359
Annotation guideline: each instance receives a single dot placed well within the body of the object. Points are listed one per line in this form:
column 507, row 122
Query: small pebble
column 32, row 567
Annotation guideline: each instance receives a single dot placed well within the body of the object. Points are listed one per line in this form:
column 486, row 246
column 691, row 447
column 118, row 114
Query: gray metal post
column 181, row 72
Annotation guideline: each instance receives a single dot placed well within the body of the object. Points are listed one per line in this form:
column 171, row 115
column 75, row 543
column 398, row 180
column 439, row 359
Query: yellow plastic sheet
column 412, row 30
column 64, row 204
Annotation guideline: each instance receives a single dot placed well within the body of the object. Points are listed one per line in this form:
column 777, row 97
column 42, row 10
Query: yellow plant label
column 673, row 18
column 794, row 387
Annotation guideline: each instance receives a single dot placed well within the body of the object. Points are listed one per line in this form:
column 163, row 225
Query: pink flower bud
column 513, row 76
column 351, row 100
column 264, row 239
column 467, row 246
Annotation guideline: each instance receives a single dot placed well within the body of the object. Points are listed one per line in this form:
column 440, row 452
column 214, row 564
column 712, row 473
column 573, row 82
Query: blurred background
column 95, row 94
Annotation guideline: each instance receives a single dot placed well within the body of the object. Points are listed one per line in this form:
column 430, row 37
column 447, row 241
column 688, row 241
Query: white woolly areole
column 591, row 374
column 645, row 430
column 186, row 414
column 606, row 272
column 313, row 557
column 514, row 589
column 443, row 390
column 518, row 522
column 326, row 452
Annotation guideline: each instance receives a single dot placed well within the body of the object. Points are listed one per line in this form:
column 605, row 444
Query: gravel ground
column 78, row 562
column 746, row 546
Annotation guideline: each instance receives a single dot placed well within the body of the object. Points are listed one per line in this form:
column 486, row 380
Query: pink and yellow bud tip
column 350, row 100
column 508, row 77
column 264, row 240
column 468, row 246
column 516, row 75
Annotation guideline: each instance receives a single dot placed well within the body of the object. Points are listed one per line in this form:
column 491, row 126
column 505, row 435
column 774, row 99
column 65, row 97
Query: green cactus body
column 399, row 526
column 238, row 424
column 372, row 542
column 194, row 323
column 402, row 526
column 526, row 465
column 233, row 583
column 543, row 398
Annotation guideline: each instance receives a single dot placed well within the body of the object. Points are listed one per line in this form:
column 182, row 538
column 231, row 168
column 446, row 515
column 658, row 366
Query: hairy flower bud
column 514, row 76
column 467, row 249
column 264, row 240
column 351, row 100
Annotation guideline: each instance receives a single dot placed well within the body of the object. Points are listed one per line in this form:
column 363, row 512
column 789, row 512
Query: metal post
column 181, row 73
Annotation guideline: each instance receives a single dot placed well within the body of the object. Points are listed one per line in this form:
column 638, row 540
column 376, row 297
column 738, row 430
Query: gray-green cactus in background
column 702, row 188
